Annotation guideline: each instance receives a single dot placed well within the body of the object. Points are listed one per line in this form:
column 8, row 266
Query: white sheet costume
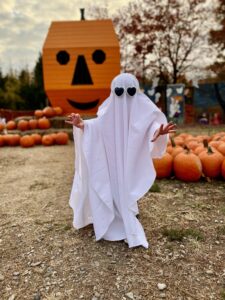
column 113, row 165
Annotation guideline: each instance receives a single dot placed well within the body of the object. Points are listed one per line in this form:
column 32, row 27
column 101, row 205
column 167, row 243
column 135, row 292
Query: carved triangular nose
column 81, row 74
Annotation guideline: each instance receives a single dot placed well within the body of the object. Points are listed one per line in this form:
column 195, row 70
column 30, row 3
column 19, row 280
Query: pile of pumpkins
column 48, row 112
column 40, row 121
column 30, row 140
column 189, row 158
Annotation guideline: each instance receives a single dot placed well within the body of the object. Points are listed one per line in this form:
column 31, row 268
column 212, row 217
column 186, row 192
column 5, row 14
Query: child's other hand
column 75, row 120
column 169, row 128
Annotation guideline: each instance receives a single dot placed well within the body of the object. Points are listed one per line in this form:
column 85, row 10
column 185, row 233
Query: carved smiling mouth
column 83, row 105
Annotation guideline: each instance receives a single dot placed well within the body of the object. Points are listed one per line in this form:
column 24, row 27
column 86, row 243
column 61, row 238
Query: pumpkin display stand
column 57, row 124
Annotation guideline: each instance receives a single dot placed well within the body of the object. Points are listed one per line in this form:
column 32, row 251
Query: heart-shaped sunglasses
column 119, row 91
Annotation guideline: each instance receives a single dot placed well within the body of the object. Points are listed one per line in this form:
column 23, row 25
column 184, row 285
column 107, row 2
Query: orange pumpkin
column 179, row 141
column 2, row 126
column 11, row 125
column 27, row 141
column 199, row 149
column 38, row 113
column 169, row 149
column 189, row 137
column 201, row 138
column 163, row 166
column 183, row 135
column 49, row 112
column 223, row 169
column 33, row 123
column 13, row 139
column 221, row 148
column 203, row 147
column 37, row 138
column 193, row 144
column 174, row 149
column 217, row 136
column 44, row 123
column 2, row 141
column 62, row 138
column 58, row 110
column 6, row 139
column 23, row 125
column 211, row 163
column 47, row 140
column 214, row 144
column 187, row 166
column 80, row 59
column 53, row 135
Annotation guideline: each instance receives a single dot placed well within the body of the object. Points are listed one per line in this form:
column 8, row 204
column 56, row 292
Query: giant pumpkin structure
column 80, row 59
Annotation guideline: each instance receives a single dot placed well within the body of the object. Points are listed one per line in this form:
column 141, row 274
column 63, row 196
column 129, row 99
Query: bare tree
column 95, row 11
column 218, row 36
column 167, row 38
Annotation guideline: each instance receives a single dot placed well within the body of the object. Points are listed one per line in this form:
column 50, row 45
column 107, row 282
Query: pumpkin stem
column 205, row 143
column 172, row 142
column 187, row 149
column 210, row 150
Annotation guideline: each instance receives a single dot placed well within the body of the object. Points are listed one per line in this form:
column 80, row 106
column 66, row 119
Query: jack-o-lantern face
column 77, row 76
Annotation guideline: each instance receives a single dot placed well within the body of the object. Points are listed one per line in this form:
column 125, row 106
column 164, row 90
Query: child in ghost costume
column 113, row 164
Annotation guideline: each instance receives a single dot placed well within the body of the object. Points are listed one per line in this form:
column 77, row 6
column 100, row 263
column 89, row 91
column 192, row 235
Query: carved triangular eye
column 131, row 91
column 119, row 91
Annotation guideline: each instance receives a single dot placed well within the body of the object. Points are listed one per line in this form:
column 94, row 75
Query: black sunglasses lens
column 119, row 91
column 131, row 91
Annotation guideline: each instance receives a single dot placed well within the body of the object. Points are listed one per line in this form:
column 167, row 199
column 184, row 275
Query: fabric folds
column 113, row 165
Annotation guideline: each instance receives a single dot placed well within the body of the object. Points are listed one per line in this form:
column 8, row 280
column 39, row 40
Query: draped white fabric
column 113, row 166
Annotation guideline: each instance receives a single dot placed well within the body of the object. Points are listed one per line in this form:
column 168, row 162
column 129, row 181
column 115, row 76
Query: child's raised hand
column 169, row 128
column 75, row 120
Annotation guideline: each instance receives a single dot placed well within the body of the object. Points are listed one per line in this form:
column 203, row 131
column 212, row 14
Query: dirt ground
column 43, row 257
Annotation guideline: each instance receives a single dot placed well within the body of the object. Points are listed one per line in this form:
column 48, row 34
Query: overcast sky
column 24, row 25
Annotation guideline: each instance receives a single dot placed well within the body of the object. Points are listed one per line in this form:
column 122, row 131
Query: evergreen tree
column 40, row 95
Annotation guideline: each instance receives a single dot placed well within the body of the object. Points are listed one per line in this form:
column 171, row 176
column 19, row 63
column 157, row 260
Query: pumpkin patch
column 188, row 158
column 28, row 131
column 197, row 157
